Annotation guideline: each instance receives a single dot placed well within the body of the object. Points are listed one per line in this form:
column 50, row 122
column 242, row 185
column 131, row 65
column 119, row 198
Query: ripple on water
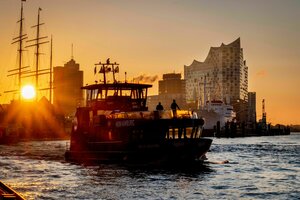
column 258, row 168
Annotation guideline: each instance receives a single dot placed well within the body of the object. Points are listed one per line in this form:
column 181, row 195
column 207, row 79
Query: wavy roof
column 236, row 43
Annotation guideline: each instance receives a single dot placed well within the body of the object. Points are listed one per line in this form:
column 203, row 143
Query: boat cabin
column 123, row 97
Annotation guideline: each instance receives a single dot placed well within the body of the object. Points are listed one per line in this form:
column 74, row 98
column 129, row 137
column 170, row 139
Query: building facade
column 171, row 87
column 171, row 84
column 222, row 76
column 252, row 108
column 67, row 83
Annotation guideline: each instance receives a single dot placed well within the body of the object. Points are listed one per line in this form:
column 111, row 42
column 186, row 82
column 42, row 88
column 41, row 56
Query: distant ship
column 212, row 108
column 115, row 126
column 214, row 111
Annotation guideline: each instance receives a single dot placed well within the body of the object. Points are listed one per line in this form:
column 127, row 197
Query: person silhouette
column 159, row 107
column 195, row 128
column 174, row 107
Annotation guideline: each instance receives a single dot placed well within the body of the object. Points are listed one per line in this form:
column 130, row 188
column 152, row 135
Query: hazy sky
column 153, row 37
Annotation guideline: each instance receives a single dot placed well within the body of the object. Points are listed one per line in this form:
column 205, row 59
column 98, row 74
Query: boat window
column 88, row 94
column 143, row 93
column 110, row 93
column 134, row 94
column 94, row 94
column 99, row 95
column 126, row 92
column 91, row 94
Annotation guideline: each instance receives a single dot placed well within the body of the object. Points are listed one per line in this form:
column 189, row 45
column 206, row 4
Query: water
column 258, row 168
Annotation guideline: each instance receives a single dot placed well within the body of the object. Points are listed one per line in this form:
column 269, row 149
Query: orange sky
column 156, row 37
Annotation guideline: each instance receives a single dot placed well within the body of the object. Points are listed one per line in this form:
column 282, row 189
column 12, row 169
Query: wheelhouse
column 117, row 96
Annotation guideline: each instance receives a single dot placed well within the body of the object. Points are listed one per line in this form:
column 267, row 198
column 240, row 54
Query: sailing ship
column 116, row 126
column 35, row 119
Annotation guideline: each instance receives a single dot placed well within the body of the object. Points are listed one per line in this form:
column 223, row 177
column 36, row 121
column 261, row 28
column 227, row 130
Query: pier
column 233, row 130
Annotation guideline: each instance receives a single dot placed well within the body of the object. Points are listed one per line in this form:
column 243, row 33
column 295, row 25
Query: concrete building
column 171, row 87
column 171, row 84
column 251, row 108
column 67, row 83
column 222, row 76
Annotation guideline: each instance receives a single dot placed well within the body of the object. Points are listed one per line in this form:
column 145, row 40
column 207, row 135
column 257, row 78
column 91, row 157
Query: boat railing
column 183, row 114
column 166, row 114
column 184, row 133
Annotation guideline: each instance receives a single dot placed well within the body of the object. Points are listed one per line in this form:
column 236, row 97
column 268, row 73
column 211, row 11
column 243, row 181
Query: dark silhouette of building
column 251, row 108
column 171, row 84
column 171, row 87
column 67, row 83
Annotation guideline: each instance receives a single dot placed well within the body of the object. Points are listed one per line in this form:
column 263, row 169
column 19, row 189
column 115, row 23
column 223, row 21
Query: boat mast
column 37, row 44
column 20, row 49
column 51, row 67
column 19, row 39
column 37, row 51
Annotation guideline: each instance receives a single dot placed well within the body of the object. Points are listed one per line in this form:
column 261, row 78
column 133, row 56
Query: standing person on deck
column 159, row 107
column 195, row 129
column 174, row 106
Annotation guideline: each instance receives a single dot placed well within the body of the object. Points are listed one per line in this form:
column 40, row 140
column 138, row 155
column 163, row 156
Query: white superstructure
column 215, row 111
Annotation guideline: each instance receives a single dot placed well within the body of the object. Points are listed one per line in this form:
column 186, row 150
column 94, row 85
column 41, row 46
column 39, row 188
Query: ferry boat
column 116, row 126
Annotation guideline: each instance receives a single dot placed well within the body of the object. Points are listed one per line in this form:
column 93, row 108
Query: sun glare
column 28, row 92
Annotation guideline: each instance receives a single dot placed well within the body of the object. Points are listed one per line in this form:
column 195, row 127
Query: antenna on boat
column 106, row 68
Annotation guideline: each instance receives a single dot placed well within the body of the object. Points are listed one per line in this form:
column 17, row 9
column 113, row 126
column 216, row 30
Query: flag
column 101, row 70
column 40, row 9
column 107, row 69
column 107, row 61
column 117, row 69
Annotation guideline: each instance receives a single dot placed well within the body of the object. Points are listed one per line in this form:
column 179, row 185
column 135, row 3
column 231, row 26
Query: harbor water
column 258, row 168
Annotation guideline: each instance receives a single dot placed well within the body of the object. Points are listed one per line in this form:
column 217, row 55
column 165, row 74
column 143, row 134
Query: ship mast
column 19, row 39
column 37, row 44
column 50, row 86
column 20, row 48
column 37, row 50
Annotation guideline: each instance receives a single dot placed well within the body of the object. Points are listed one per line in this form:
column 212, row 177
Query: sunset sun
column 28, row 92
